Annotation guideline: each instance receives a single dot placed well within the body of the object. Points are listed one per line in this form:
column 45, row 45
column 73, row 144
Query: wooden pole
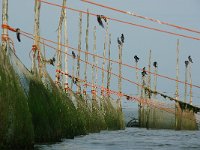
column 178, row 109
column 149, row 75
column 73, row 68
column 93, row 68
column 190, row 73
column 138, row 88
column 109, row 66
column 87, row 49
column 66, row 84
column 177, row 69
column 120, row 75
column 59, row 48
column 44, row 66
column 5, row 22
column 137, row 77
column 36, row 34
column 79, row 52
column 186, row 78
column 104, row 59
column 154, row 96
column 96, row 76
column 149, row 93
column 155, row 79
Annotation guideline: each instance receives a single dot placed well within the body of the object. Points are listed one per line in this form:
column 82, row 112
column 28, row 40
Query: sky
column 138, row 41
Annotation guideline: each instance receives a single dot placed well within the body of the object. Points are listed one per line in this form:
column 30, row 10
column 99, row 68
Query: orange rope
column 114, row 61
column 143, row 17
column 140, row 100
column 100, row 68
column 125, row 22
column 89, row 64
column 5, row 26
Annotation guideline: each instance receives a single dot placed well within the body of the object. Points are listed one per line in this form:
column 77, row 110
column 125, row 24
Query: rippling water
column 130, row 139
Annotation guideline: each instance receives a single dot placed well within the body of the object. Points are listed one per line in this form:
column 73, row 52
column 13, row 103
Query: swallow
column 122, row 38
column 104, row 18
column 51, row 61
column 136, row 58
column 186, row 63
column 100, row 21
column 18, row 34
column 190, row 59
column 73, row 54
column 144, row 72
column 119, row 42
column 155, row 64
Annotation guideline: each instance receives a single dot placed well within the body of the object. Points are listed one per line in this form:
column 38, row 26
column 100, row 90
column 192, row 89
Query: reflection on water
column 129, row 139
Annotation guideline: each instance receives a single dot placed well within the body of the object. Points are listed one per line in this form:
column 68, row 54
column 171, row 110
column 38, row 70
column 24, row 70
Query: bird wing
column 18, row 37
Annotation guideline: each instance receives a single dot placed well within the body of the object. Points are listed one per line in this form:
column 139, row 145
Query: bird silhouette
column 144, row 72
column 119, row 42
column 136, row 58
column 122, row 38
column 104, row 18
column 52, row 61
column 155, row 64
column 73, row 54
column 186, row 63
column 18, row 34
column 190, row 59
column 100, row 21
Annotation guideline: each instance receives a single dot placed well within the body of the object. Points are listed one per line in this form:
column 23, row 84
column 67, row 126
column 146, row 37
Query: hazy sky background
column 138, row 41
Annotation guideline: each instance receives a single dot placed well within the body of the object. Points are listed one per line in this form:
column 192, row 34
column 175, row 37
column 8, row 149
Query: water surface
column 131, row 139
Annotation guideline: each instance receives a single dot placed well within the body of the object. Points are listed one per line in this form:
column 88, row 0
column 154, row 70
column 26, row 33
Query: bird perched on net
column 136, row 58
column 104, row 18
column 190, row 59
column 144, row 72
column 18, row 34
column 73, row 54
column 52, row 61
column 186, row 63
column 122, row 38
column 155, row 64
column 119, row 42
column 100, row 21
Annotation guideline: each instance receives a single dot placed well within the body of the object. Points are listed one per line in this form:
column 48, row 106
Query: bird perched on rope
column 186, row 63
column 122, row 38
column 100, row 21
column 104, row 18
column 73, row 54
column 190, row 59
column 136, row 58
column 52, row 61
column 18, row 34
column 155, row 64
column 119, row 42
column 144, row 72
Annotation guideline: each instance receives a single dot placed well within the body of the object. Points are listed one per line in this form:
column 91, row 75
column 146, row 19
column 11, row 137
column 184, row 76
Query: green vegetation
column 46, row 115
column 16, row 129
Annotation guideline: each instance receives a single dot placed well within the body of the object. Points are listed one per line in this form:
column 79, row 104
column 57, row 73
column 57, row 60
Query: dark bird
column 18, row 34
column 52, row 61
column 73, row 54
column 190, row 59
column 74, row 80
column 119, row 42
column 186, row 63
column 104, row 18
column 127, row 97
column 144, row 72
column 122, row 38
column 100, row 21
column 155, row 64
column 136, row 58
